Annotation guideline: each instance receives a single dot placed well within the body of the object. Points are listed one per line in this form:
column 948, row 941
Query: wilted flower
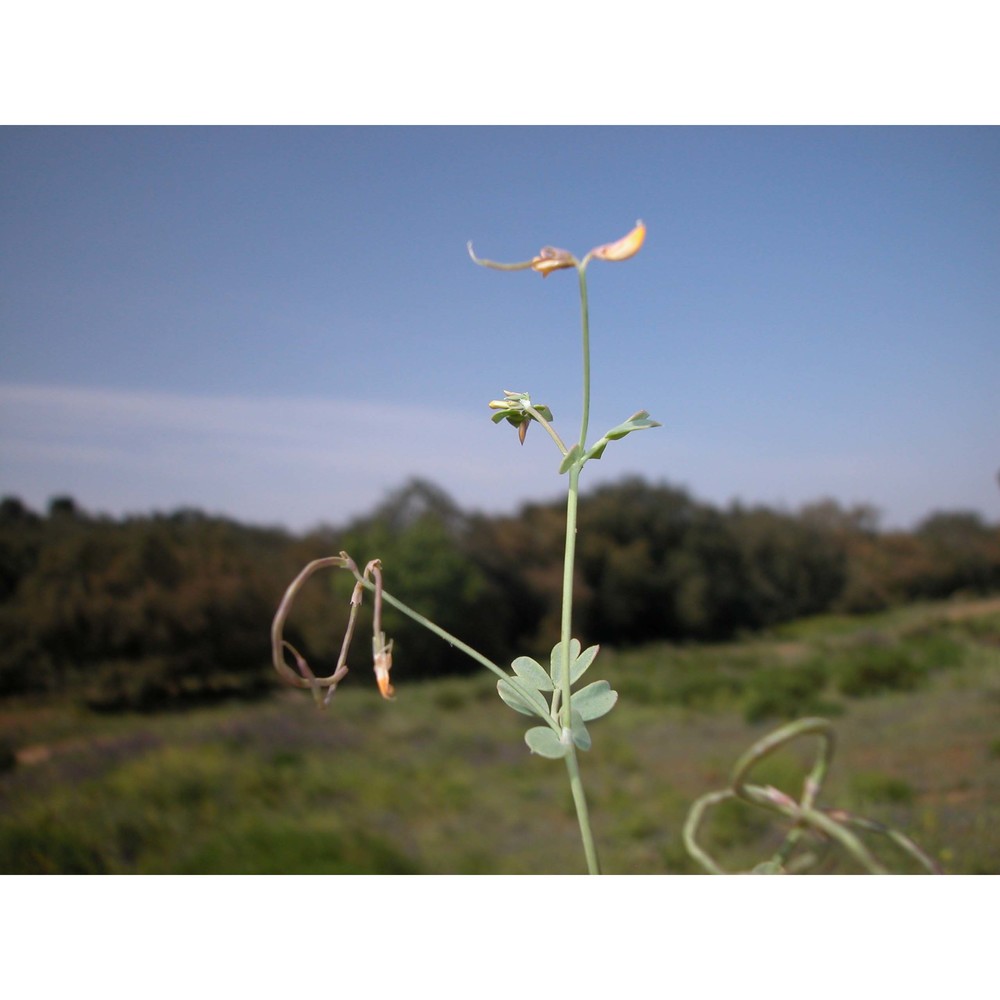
column 550, row 259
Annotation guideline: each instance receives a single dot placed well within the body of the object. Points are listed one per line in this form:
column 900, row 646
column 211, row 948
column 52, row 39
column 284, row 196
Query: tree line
column 142, row 612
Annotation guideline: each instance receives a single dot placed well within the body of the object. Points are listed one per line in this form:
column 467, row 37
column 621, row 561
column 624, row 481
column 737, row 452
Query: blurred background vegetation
column 714, row 623
column 150, row 611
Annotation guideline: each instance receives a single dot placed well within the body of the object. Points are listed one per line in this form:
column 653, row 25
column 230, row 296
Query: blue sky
column 283, row 324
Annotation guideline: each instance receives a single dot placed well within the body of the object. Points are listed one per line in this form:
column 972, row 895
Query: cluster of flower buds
column 518, row 410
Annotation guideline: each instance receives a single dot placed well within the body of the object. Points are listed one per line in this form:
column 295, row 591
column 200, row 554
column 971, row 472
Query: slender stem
column 549, row 429
column 569, row 561
column 512, row 679
column 572, row 500
column 441, row 633
column 572, row 765
column 585, row 326
column 582, row 815
column 566, row 632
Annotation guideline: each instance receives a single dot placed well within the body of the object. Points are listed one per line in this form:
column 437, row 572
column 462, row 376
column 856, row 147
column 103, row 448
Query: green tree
column 422, row 540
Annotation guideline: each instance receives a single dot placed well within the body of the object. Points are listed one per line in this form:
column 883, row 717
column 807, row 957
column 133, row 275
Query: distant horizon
column 39, row 503
column 556, row 499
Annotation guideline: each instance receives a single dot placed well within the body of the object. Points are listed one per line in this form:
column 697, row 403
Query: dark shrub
column 870, row 786
column 8, row 756
column 785, row 692
column 871, row 670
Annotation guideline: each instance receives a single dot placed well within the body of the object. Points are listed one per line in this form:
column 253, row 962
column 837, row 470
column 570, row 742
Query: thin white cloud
column 301, row 461
column 296, row 461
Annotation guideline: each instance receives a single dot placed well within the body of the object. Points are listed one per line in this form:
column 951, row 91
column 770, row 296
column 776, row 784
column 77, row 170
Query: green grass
column 440, row 781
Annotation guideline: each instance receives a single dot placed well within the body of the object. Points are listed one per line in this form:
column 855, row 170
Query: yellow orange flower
column 383, row 664
column 627, row 246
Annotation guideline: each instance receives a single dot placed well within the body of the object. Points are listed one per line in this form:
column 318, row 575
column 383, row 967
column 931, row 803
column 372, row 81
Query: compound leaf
column 582, row 662
column 594, row 700
column 545, row 743
column 556, row 660
column 528, row 703
column 637, row 422
column 532, row 673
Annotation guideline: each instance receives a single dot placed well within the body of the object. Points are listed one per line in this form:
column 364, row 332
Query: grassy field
column 440, row 781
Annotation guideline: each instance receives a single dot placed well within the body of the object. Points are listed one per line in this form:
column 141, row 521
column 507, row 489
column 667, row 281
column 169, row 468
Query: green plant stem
column 511, row 679
column 566, row 633
column 549, row 429
column 572, row 498
column 437, row 630
column 582, row 815
column 569, row 561
column 585, row 326
column 572, row 764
